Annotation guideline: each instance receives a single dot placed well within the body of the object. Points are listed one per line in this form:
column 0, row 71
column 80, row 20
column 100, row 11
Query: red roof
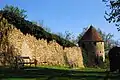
column 91, row 35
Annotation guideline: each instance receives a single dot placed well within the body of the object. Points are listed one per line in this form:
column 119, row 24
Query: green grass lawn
column 56, row 73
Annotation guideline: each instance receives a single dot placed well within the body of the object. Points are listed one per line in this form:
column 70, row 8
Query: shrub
column 28, row 27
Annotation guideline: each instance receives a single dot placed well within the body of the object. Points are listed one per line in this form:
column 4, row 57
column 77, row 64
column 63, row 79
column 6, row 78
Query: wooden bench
column 21, row 60
column 30, row 61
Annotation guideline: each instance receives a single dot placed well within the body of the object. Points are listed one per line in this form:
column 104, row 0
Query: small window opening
column 95, row 43
column 83, row 45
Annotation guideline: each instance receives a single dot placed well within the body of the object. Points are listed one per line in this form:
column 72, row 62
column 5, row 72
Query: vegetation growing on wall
column 28, row 27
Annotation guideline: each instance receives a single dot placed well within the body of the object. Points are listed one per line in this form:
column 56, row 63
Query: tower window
column 95, row 43
column 100, row 51
column 83, row 45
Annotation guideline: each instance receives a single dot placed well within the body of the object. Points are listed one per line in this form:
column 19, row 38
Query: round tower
column 93, row 45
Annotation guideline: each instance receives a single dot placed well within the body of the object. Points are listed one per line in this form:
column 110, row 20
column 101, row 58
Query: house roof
column 91, row 35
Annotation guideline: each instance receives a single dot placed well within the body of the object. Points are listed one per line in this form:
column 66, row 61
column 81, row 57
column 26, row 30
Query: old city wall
column 46, row 53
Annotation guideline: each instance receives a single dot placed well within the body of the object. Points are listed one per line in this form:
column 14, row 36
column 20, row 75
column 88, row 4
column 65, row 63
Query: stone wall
column 46, row 53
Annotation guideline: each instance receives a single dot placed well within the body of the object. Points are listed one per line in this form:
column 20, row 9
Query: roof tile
column 91, row 35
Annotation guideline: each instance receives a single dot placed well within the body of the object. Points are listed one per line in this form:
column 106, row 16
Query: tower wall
column 94, row 51
column 100, row 50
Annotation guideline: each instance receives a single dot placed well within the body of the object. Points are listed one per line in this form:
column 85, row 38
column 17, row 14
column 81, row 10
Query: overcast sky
column 66, row 15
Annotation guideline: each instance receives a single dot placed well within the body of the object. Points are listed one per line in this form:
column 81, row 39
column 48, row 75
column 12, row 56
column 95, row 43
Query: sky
column 66, row 15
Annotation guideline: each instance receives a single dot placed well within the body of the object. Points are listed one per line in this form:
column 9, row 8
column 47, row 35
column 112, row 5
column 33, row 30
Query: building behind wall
column 93, row 45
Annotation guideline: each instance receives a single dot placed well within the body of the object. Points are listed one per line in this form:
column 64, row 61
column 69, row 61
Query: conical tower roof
column 91, row 35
